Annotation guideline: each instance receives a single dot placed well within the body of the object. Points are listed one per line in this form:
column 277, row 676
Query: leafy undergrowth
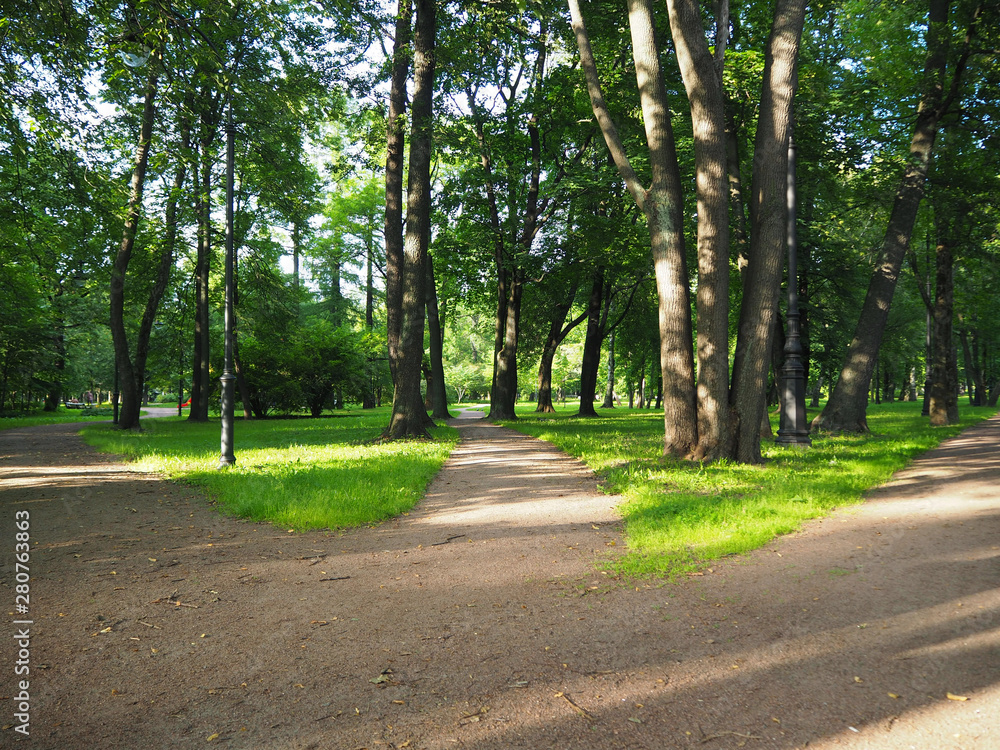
column 297, row 473
column 680, row 515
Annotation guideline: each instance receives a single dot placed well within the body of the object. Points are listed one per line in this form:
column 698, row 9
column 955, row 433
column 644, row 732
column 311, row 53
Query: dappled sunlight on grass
column 300, row 473
column 680, row 514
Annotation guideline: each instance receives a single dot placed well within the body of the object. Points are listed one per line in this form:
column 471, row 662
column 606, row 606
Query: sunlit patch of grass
column 679, row 514
column 297, row 473
column 59, row 416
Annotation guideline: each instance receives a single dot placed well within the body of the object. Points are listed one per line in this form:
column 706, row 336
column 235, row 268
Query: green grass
column 296, row 473
column 60, row 415
column 681, row 515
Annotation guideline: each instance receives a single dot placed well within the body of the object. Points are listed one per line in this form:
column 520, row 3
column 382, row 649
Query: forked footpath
column 482, row 618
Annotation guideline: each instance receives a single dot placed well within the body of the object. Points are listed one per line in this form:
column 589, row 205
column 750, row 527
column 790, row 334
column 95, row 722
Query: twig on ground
column 717, row 735
column 171, row 600
column 582, row 711
column 457, row 536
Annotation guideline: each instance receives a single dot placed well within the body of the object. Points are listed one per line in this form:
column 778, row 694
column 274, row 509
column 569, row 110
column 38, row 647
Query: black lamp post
column 228, row 380
column 792, row 429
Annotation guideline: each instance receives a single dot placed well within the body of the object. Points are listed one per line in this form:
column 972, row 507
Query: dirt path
column 479, row 621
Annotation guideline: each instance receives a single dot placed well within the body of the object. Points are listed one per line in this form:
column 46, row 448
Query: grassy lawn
column 60, row 415
column 296, row 473
column 679, row 514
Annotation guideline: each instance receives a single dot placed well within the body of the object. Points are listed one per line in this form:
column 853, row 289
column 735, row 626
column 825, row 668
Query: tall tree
column 130, row 378
column 409, row 418
column 768, row 223
column 661, row 204
column 438, row 393
column 394, row 167
column 209, row 110
column 846, row 409
column 521, row 115
column 592, row 343
column 702, row 74
column 559, row 329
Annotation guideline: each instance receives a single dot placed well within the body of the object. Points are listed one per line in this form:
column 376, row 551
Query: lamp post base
column 227, row 457
column 793, row 428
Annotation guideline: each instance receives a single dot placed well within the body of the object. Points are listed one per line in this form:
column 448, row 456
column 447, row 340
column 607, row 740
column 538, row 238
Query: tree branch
column 600, row 107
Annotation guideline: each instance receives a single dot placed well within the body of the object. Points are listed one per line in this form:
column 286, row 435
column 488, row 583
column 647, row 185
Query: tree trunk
column 54, row 393
column 777, row 360
column 544, row 392
column 944, row 381
column 438, row 393
column 846, row 409
column 703, row 82
column 662, row 205
column 609, row 395
column 394, row 162
column 162, row 279
column 592, row 347
column 241, row 380
column 968, row 364
column 369, row 400
column 979, row 379
column 296, row 252
column 203, row 206
column 129, row 416
column 557, row 334
column 768, row 212
column 500, row 387
column 510, row 276
column 408, row 414
column 503, row 395
column 737, row 208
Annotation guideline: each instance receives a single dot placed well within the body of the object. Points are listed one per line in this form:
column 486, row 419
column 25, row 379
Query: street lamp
column 792, row 429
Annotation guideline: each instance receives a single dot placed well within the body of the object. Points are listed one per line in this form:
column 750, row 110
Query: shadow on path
column 481, row 621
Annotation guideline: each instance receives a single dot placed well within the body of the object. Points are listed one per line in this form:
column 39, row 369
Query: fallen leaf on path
column 212, row 737
column 953, row 697
column 384, row 677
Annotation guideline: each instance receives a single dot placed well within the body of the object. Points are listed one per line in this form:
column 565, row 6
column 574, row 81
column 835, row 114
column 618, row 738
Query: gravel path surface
column 481, row 619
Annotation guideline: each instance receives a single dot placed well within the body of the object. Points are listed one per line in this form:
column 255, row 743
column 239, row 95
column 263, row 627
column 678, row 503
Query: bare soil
column 482, row 620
